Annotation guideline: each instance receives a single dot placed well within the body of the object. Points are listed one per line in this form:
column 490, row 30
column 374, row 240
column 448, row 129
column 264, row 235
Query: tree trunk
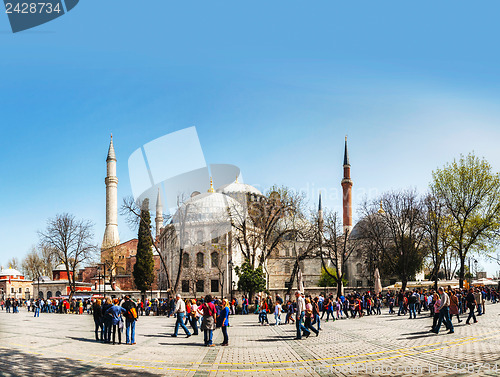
column 404, row 283
column 340, row 287
column 461, row 274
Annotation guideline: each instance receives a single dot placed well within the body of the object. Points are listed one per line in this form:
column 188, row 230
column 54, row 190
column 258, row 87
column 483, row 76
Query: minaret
column 111, row 237
column 159, row 215
column 346, row 191
column 320, row 214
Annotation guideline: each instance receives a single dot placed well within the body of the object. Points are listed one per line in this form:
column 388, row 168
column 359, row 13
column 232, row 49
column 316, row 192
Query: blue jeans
column 208, row 337
column 317, row 320
column 130, row 327
column 401, row 308
column 224, row 332
column 180, row 322
column 444, row 316
column 412, row 311
column 299, row 324
column 37, row 312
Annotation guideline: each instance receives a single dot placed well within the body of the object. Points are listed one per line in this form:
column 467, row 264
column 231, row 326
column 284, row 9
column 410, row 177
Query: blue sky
column 272, row 87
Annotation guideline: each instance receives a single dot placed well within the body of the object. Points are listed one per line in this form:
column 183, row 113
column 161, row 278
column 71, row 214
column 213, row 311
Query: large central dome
column 207, row 207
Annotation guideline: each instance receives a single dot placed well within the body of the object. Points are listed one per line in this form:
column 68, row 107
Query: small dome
column 10, row 272
column 60, row 267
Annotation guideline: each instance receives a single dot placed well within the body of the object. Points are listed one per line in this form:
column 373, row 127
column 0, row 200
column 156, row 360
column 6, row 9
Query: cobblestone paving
column 59, row 345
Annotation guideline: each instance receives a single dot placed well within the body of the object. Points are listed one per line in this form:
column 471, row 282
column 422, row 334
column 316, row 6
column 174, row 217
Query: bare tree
column 38, row 262
column 397, row 232
column 69, row 240
column 14, row 263
column 336, row 248
column 262, row 228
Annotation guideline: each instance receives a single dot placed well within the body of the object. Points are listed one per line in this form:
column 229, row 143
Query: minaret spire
column 347, row 192
column 320, row 213
column 111, row 237
column 159, row 215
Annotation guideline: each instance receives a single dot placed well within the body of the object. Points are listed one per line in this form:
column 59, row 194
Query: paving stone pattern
column 385, row 345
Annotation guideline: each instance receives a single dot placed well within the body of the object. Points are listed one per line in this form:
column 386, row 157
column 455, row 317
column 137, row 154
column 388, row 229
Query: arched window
column 58, row 294
column 40, row 295
column 215, row 259
column 185, row 260
column 200, row 260
column 359, row 268
column 287, row 267
column 49, row 294
column 287, row 252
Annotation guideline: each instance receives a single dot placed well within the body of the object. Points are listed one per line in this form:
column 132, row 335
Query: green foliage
column 470, row 192
column 144, row 265
column 250, row 279
column 329, row 278
column 405, row 264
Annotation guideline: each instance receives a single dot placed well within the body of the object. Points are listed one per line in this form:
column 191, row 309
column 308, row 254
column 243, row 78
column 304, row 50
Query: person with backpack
column 130, row 319
column 209, row 318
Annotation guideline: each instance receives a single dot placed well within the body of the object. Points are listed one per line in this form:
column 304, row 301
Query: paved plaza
column 57, row 345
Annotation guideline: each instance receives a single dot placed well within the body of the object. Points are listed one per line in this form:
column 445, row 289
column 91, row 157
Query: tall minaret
column 159, row 215
column 111, row 237
column 346, row 191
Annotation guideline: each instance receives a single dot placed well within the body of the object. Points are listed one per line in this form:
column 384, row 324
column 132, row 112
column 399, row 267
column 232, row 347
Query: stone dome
column 207, row 207
column 238, row 188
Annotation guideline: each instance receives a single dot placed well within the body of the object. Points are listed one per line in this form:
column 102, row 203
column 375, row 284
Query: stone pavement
column 59, row 345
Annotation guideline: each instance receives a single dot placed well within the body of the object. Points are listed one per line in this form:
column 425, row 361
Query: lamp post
column 99, row 279
column 230, row 265
column 475, row 267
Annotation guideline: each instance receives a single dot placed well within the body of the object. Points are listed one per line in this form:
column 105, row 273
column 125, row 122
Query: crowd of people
column 112, row 316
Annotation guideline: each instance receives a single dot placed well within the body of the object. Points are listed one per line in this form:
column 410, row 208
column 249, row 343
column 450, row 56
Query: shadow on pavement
column 17, row 363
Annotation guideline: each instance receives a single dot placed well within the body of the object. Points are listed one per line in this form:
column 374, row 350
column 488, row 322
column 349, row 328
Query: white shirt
column 180, row 306
column 277, row 309
column 301, row 305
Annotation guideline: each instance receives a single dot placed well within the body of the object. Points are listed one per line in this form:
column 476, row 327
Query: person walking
column 301, row 312
column 130, row 319
column 444, row 312
column 309, row 317
column 224, row 321
column 180, row 312
column 194, row 316
column 277, row 313
column 471, row 305
column 454, row 306
column 208, row 321
column 37, row 308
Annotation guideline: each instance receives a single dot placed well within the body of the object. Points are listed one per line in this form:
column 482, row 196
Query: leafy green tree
column 470, row 192
column 144, row 264
column 328, row 278
column 251, row 279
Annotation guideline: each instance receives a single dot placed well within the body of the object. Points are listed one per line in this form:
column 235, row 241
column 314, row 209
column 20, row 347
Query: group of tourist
column 306, row 312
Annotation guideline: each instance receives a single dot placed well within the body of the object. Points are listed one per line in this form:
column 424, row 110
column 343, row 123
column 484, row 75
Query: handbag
column 120, row 324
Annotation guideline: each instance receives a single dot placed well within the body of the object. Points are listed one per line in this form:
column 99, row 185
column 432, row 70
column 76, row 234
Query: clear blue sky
column 272, row 87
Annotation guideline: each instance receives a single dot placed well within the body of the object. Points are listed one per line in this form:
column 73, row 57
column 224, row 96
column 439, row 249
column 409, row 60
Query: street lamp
column 230, row 265
column 475, row 267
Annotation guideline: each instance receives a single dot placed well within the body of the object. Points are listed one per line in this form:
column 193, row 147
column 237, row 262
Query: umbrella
column 378, row 283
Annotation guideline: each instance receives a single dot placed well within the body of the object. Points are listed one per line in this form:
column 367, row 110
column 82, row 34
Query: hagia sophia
column 210, row 253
